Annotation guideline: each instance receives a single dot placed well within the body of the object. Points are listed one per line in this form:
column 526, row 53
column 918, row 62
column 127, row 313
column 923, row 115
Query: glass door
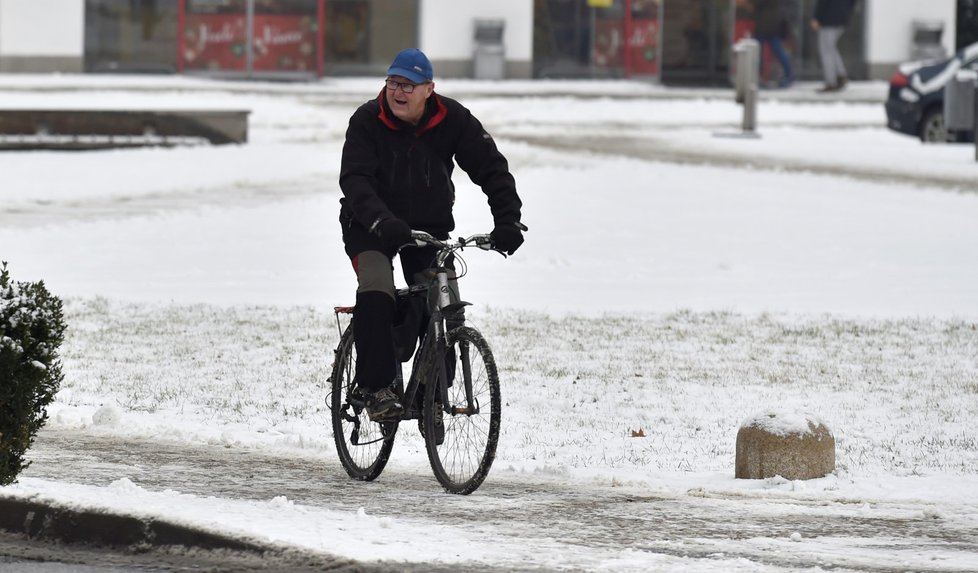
column 130, row 36
column 362, row 36
column 696, row 41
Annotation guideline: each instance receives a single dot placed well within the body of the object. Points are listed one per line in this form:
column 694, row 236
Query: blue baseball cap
column 413, row 65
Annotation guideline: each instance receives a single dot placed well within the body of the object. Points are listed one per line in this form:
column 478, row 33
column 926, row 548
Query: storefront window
column 596, row 38
column 697, row 37
column 362, row 36
column 347, row 34
column 244, row 37
column 130, row 36
column 561, row 38
column 607, row 52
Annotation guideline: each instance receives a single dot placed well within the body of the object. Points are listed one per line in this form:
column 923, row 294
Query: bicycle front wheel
column 461, row 434
column 363, row 446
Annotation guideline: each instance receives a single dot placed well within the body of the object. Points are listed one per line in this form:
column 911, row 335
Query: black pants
column 373, row 316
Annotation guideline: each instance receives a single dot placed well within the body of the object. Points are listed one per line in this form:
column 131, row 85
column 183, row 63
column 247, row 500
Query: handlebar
column 480, row 240
column 424, row 239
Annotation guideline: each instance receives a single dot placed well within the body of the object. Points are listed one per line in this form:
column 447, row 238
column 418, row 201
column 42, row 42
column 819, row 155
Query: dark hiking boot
column 382, row 405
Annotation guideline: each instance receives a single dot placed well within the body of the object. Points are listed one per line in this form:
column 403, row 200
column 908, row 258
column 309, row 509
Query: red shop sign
column 285, row 43
column 644, row 46
column 279, row 42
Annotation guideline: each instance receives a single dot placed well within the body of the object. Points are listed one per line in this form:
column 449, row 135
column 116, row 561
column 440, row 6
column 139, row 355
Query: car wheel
column 932, row 129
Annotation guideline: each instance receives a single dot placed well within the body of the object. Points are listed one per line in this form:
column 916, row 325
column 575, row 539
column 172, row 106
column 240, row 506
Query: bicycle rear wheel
column 363, row 446
column 462, row 445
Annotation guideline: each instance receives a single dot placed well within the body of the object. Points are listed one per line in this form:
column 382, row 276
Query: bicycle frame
column 434, row 340
column 459, row 408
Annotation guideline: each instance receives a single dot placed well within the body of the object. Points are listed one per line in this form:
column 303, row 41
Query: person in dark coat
column 770, row 27
column 829, row 20
column 396, row 175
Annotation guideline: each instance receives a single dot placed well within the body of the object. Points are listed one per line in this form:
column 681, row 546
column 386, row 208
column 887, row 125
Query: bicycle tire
column 462, row 460
column 363, row 446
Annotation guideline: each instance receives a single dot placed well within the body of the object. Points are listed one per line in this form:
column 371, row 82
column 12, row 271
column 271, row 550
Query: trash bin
column 959, row 101
column 489, row 62
column 927, row 40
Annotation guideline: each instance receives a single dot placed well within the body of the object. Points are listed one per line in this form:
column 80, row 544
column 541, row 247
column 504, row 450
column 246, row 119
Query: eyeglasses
column 405, row 87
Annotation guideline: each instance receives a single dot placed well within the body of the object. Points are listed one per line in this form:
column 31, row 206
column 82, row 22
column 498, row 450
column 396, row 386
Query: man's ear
column 431, row 89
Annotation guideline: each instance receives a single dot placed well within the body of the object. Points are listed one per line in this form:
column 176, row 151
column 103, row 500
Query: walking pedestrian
column 770, row 28
column 829, row 20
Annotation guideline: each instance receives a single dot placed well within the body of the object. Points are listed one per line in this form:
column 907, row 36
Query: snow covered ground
column 674, row 280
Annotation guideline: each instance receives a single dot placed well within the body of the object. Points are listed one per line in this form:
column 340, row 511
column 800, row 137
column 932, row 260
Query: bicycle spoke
column 363, row 446
column 461, row 460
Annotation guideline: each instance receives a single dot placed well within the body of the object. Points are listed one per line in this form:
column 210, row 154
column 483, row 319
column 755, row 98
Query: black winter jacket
column 391, row 168
column 833, row 13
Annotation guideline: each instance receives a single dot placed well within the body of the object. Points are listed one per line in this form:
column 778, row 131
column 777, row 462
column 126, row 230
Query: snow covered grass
column 673, row 284
column 900, row 395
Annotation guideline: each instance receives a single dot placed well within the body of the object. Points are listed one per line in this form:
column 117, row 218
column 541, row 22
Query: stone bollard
column 793, row 446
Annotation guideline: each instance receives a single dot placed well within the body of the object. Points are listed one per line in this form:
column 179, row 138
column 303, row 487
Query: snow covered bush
column 31, row 332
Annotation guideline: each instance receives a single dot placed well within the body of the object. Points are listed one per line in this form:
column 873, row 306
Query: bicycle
column 453, row 372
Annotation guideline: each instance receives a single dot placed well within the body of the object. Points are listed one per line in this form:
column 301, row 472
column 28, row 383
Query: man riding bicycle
column 396, row 175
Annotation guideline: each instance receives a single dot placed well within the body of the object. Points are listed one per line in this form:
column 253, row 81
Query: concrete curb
column 39, row 521
column 115, row 541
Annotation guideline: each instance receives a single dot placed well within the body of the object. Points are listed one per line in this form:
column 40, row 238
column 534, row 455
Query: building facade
column 33, row 41
column 672, row 41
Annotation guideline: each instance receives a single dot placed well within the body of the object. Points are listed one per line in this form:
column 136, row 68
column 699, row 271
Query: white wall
column 42, row 28
column 447, row 27
column 889, row 34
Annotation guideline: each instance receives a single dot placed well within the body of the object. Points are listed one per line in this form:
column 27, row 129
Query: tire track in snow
column 567, row 522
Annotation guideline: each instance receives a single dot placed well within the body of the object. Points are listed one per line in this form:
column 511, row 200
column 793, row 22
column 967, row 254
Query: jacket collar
column 434, row 113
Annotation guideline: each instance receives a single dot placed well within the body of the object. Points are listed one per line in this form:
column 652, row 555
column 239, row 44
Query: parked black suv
column 915, row 105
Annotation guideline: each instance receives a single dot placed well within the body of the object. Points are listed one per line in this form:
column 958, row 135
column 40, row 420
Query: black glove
column 507, row 237
column 394, row 232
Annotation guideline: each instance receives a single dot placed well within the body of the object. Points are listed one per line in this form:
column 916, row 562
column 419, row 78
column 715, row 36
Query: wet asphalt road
column 558, row 517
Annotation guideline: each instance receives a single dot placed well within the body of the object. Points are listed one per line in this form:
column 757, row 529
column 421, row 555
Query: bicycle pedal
column 392, row 415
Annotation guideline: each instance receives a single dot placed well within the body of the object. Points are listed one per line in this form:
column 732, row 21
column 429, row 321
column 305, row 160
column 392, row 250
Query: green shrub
column 31, row 332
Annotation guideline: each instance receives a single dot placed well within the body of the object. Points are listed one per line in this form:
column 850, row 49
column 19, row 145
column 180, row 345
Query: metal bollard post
column 748, row 53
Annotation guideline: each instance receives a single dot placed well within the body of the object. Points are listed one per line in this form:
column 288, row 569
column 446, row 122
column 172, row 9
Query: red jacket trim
column 440, row 113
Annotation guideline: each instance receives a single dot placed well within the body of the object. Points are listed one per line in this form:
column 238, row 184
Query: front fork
column 454, row 309
column 441, row 342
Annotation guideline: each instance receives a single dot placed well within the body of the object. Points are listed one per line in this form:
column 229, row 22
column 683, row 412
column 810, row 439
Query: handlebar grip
column 484, row 242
